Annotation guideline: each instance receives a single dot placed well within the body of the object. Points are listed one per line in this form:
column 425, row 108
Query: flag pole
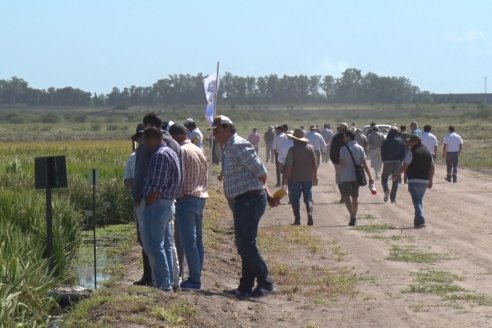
column 216, row 89
column 213, row 144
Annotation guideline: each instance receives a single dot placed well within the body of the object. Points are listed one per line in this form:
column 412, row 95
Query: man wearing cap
column 245, row 187
column 453, row 145
column 316, row 140
column 327, row 135
column 419, row 166
column 162, row 184
column 194, row 134
column 336, row 144
column 190, row 204
column 268, row 137
column 142, row 158
column 254, row 139
column 301, row 169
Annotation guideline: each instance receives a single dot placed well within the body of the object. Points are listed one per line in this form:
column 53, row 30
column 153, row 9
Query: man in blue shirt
column 162, row 184
column 244, row 177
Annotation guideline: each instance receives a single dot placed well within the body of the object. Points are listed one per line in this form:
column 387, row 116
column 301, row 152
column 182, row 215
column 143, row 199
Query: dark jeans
column 417, row 192
column 296, row 188
column 452, row 163
column 389, row 169
column 247, row 210
column 269, row 152
column 278, row 170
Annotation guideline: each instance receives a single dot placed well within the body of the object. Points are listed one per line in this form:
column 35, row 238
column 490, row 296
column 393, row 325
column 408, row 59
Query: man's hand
column 371, row 181
column 137, row 204
column 315, row 181
column 430, row 184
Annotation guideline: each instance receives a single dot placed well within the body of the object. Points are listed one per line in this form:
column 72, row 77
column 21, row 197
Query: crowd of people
column 168, row 178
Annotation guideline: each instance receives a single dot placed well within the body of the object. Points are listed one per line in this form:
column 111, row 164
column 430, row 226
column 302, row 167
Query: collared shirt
column 254, row 138
column 348, row 170
column 284, row 149
column 278, row 141
column 164, row 174
column 316, row 140
column 195, row 176
column 327, row 134
column 196, row 137
column 130, row 167
column 429, row 141
column 241, row 167
column 452, row 142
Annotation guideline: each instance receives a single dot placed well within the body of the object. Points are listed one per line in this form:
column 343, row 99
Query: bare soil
column 458, row 233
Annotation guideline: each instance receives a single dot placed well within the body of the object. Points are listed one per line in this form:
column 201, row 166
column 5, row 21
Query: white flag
column 211, row 85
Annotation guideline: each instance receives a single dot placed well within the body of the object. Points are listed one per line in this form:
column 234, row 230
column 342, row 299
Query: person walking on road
column 429, row 140
column 278, row 141
column 316, row 140
column 419, row 166
column 327, row 135
column 301, row 173
column 245, row 187
column 453, row 145
column 375, row 141
column 268, row 137
column 254, row 138
column 350, row 186
column 392, row 154
column 337, row 142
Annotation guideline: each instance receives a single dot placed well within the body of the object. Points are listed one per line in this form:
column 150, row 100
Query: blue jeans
column 417, row 191
column 389, row 169
column 189, row 217
column 247, row 210
column 296, row 188
column 158, row 240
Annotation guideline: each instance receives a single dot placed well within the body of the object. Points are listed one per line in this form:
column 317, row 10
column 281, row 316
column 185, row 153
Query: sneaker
column 352, row 222
column 261, row 291
column 386, row 195
column 238, row 293
column 447, row 178
column 190, row 285
column 419, row 225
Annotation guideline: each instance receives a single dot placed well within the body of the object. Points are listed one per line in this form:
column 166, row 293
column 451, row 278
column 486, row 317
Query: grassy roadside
column 120, row 304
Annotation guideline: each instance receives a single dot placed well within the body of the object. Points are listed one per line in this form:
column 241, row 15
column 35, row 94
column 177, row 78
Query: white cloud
column 469, row 36
column 334, row 67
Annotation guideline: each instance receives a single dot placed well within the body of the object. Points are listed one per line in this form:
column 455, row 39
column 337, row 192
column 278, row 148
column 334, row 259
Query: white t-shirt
column 130, row 167
column 453, row 142
column 278, row 141
column 429, row 141
column 284, row 149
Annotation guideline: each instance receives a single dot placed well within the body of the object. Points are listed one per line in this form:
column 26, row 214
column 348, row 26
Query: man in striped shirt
column 190, row 204
column 162, row 184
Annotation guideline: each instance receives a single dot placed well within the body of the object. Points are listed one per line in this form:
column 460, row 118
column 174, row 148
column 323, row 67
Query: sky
column 441, row 46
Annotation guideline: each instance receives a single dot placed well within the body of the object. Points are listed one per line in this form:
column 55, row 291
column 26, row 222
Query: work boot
column 297, row 216
column 309, row 209
column 146, row 279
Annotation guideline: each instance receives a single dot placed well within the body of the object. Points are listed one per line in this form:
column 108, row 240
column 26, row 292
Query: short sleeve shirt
column 301, row 157
column 453, row 142
column 348, row 172
column 429, row 141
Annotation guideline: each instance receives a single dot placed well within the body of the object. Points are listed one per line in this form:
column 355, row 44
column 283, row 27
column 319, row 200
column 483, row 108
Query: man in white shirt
column 327, row 135
column 429, row 140
column 282, row 154
column 316, row 140
column 453, row 145
column 279, row 139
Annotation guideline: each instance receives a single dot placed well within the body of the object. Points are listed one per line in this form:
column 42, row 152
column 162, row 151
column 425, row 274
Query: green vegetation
column 373, row 228
column 413, row 255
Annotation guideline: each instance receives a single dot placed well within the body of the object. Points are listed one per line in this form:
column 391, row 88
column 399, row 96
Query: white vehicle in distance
column 384, row 128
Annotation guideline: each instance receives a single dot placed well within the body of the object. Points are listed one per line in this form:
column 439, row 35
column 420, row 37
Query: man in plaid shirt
column 190, row 204
column 245, row 188
column 162, row 184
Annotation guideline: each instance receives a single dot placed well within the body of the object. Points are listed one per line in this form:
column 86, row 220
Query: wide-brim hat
column 298, row 135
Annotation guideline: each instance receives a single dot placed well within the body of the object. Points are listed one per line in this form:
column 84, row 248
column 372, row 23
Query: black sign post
column 49, row 173
column 94, row 177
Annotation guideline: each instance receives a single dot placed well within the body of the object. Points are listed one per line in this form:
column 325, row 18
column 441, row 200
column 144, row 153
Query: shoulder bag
column 360, row 175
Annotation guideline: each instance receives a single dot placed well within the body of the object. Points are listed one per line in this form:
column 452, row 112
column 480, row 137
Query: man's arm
column 431, row 174
column 315, row 169
column 368, row 172
column 444, row 147
column 461, row 147
column 271, row 200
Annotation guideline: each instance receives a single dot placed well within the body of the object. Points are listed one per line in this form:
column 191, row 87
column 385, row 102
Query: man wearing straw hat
column 301, row 168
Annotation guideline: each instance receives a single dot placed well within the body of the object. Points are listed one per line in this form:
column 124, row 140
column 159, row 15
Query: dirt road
column 382, row 273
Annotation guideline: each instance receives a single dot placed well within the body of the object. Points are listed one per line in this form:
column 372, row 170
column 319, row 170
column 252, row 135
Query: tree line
column 352, row 87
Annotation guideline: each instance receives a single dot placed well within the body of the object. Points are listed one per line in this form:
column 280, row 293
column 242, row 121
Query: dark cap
column 138, row 131
column 177, row 129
